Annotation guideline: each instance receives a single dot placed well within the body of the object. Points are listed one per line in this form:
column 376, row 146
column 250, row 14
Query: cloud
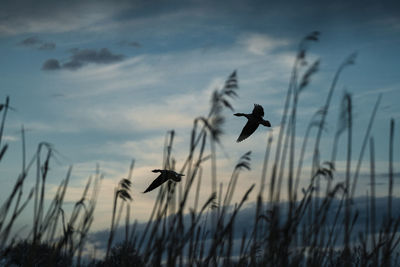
column 30, row 41
column 187, row 80
column 27, row 16
column 82, row 57
column 37, row 43
column 72, row 65
column 10, row 138
column 261, row 44
column 103, row 56
column 51, row 64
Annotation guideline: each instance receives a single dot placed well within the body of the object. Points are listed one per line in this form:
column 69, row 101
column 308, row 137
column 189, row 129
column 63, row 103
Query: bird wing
column 258, row 110
column 248, row 129
column 162, row 178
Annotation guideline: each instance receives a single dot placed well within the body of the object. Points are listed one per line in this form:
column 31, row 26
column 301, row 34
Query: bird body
column 254, row 119
column 164, row 176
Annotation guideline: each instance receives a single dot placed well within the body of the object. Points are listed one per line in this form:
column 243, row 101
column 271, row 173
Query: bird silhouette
column 254, row 119
column 164, row 176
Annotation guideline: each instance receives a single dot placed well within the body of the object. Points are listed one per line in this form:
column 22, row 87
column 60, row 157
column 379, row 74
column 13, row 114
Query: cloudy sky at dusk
column 103, row 81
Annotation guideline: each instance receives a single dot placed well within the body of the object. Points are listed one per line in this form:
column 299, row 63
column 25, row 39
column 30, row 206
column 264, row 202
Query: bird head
column 177, row 177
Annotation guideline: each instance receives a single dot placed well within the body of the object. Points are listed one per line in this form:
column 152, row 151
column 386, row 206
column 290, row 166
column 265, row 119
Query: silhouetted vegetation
column 305, row 229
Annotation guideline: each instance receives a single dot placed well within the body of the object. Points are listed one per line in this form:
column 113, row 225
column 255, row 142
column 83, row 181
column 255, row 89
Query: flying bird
column 254, row 119
column 164, row 176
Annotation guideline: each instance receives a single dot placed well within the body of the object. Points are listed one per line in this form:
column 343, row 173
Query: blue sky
column 103, row 81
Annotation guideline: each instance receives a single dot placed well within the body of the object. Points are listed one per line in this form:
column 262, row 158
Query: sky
column 103, row 81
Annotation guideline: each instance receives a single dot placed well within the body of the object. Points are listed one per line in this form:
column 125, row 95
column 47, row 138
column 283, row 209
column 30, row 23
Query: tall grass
column 181, row 231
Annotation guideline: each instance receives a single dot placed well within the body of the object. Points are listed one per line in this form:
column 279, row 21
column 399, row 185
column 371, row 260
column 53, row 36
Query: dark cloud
column 51, row 64
column 30, row 41
column 22, row 16
column 35, row 42
column 72, row 65
column 103, row 56
column 81, row 57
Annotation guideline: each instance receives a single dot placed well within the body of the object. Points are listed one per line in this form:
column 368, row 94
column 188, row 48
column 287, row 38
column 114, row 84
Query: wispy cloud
column 171, row 113
column 26, row 16
column 37, row 43
column 261, row 44
column 117, row 98
column 178, row 72
column 10, row 138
